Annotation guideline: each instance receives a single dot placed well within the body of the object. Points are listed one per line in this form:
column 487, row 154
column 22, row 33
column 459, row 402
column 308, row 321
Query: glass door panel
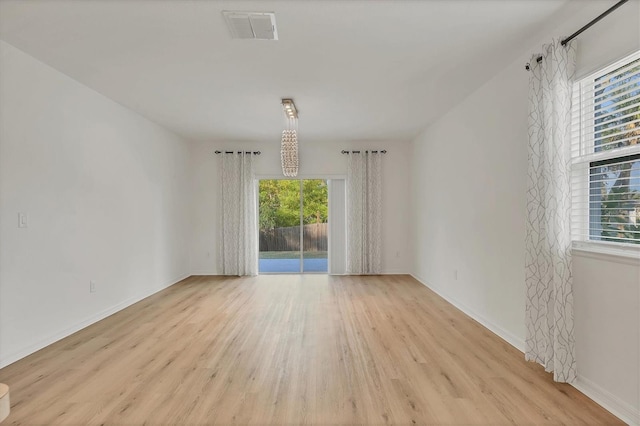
column 315, row 214
column 279, row 226
column 293, row 226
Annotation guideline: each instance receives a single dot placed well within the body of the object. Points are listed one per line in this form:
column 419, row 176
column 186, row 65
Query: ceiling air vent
column 252, row 25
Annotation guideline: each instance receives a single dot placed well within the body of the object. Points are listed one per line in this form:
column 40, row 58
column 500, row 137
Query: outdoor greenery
column 280, row 202
column 618, row 182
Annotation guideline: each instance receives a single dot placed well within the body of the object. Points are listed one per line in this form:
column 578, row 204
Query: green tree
column 279, row 202
column 314, row 208
column 269, row 202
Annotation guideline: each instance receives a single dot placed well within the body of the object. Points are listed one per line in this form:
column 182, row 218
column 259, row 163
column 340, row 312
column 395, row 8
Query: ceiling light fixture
column 289, row 144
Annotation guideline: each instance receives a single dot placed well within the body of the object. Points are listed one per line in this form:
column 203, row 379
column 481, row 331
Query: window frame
column 584, row 156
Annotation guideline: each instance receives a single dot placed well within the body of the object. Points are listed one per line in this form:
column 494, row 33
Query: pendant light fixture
column 289, row 145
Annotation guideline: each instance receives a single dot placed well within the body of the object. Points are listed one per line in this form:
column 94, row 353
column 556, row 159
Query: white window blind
column 605, row 152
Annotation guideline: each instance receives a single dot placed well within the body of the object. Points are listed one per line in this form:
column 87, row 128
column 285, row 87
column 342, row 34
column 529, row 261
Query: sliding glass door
column 293, row 229
column 315, row 225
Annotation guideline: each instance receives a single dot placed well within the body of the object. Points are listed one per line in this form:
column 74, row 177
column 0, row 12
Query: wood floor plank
column 290, row 349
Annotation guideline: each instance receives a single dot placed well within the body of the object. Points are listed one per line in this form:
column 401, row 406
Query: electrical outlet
column 398, row 254
column 92, row 286
column 23, row 220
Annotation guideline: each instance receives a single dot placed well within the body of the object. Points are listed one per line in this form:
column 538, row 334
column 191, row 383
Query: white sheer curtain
column 364, row 212
column 549, row 294
column 239, row 248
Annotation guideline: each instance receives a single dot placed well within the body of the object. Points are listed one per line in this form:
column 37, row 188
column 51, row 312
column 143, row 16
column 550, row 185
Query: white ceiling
column 357, row 70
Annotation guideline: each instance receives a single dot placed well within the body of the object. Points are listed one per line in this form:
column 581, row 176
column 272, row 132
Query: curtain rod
column 238, row 152
column 583, row 29
column 384, row 151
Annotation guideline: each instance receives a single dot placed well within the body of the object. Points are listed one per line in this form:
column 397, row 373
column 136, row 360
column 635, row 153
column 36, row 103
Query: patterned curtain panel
column 239, row 246
column 364, row 213
column 549, row 303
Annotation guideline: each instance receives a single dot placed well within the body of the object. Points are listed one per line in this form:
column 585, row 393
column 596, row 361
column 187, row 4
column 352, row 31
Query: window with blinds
column 605, row 151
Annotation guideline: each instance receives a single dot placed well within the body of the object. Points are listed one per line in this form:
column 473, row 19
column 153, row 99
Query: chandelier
column 289, row 145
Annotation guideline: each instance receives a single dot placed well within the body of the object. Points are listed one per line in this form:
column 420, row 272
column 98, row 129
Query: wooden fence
column 288, row 239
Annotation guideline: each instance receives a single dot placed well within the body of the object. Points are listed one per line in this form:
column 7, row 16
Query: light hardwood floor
column 295, row 349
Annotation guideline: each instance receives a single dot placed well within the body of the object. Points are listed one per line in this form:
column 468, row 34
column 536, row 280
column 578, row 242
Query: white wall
column 106, row 192
column 469, row 187
column 607, row 318
column 316, row 160
column 469, row 195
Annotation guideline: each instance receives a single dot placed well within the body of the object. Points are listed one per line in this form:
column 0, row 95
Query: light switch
column 23, row 220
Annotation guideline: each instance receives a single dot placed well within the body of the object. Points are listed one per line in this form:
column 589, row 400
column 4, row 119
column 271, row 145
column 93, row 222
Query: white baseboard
column 608, row 401
column 61, row 334
column 394, row 272
column 602, row 397
column 505, row 335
